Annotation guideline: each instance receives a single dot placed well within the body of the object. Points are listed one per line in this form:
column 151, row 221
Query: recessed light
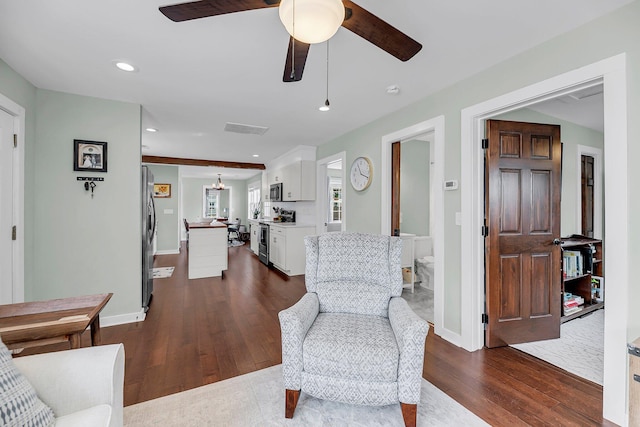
column 151, row 130
column 256, row 155
column 125, row 66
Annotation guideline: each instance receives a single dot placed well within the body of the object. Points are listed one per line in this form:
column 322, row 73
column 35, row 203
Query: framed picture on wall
column 90, row 156
column 162, row 190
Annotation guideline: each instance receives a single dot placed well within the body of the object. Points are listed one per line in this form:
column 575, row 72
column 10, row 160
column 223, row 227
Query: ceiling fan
column 342, row 12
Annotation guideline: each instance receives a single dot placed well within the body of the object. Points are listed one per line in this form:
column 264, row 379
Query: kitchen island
column 208, row 250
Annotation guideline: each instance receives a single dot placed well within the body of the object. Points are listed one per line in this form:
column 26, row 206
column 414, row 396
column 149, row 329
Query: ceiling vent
column 246, row 129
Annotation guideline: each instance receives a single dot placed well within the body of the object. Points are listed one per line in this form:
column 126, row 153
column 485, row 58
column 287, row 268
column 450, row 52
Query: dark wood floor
column 206, row 330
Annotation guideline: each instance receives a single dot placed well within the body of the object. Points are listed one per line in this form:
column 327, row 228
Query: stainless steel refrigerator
column 148, row 232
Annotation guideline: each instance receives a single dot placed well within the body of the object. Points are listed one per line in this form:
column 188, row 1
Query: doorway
column 331, row 200
column 12, row 118
column 434, row 127
column 611, row 73
column 411, row 210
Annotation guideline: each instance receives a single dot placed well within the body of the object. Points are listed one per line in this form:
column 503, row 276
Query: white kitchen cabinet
column 278, row 248
column 299, row 181
column 255, row 236
column 286, row 247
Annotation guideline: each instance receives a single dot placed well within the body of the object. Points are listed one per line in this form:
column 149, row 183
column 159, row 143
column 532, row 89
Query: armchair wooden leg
column 409, row 414
column 291, row 401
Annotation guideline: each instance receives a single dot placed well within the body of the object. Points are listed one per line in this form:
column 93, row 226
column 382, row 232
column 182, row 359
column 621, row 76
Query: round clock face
column 361, row 173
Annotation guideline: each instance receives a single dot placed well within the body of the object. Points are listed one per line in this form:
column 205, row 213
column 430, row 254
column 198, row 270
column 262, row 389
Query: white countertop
column 289, row 224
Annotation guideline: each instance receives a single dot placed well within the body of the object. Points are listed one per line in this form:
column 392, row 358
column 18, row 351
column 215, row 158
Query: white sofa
column 83, row 387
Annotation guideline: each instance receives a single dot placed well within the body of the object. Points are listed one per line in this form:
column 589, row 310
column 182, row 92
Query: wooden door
column 522, row 208
column 395, row 188
column 586, row 186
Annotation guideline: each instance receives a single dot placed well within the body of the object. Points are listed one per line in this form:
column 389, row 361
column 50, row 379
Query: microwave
column 275, row 192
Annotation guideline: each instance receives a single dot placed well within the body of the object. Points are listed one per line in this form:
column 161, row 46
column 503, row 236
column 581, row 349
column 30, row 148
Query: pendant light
column 218, row 185
column 325, row 106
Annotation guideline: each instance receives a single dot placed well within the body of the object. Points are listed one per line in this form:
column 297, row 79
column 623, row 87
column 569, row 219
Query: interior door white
column 6, row 208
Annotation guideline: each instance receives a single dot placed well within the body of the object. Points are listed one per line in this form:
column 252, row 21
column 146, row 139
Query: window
column 335, row 199
column 210, row 202
column 254, row 202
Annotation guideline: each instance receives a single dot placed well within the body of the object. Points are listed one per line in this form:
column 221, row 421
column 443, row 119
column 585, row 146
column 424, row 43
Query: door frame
column 596, row 153
column 437, row 126
column 321, row 178
column 610, row 72
column 18, row 113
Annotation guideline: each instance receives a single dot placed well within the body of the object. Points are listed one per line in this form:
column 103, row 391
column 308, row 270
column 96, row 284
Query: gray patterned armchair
column 352, row 338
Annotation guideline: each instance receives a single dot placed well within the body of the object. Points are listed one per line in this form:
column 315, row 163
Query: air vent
column 246, row 129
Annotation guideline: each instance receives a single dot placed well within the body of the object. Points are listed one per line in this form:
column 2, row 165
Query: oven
column 263, row 244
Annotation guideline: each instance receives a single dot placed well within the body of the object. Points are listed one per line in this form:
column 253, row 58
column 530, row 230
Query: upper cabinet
column 299, row 181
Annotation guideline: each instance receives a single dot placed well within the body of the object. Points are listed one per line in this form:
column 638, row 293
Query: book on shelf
column 571, row 310
column 572, row 264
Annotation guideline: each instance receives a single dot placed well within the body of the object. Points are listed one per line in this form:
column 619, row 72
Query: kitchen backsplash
column 305, row 211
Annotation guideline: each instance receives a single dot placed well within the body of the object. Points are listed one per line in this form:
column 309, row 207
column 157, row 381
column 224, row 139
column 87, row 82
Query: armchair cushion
column 352, row 347
column 19, row 403
column 353, row 297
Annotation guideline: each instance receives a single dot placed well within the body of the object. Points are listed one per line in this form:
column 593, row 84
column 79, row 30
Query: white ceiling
column 197, row 75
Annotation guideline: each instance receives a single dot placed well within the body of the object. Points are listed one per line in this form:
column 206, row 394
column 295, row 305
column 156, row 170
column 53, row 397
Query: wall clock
column 361, row 173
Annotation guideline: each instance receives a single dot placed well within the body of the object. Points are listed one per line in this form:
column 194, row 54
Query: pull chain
column 293, row 44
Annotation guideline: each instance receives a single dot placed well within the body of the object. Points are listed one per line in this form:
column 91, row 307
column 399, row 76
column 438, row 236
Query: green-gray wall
column 82, row 244
column 602, row 38
column 76, row 245
column 167, row 209
column 414, row 187
column 571, row 135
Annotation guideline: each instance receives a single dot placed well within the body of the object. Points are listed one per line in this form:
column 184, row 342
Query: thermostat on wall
column 451, row 185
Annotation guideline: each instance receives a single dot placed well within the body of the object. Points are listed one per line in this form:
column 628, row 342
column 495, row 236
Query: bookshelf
column 582, row 276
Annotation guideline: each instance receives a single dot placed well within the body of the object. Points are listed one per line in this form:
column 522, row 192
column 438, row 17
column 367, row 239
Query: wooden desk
column 31, row 324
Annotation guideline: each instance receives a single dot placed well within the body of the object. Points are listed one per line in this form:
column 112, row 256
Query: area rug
column 579, row 350
column 257, row 399
column 162, row 272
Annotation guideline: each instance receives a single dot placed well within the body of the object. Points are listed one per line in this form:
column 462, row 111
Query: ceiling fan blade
column 203, row 8
column 375, row 30
column 301, row 51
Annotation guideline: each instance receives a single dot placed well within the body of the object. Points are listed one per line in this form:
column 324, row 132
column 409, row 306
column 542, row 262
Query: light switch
column 168, row 211
column 458, row 218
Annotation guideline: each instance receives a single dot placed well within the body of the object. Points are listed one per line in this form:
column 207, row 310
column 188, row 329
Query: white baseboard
column 169, row 252
column 121, row 319
column 452, row 337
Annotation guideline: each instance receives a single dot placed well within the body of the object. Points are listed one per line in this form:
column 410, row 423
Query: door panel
column 522, row 207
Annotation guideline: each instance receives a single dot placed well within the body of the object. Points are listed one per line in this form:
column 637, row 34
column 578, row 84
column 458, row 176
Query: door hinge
column 485, row 143
column 485, row 318
column 15, row 140
column 14, row 233
column 485, row 231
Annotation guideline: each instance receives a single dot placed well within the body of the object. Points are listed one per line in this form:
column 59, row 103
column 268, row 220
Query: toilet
column 424, row 260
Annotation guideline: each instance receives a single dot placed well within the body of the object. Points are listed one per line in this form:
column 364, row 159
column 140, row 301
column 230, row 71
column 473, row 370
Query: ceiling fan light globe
column 316, row 21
